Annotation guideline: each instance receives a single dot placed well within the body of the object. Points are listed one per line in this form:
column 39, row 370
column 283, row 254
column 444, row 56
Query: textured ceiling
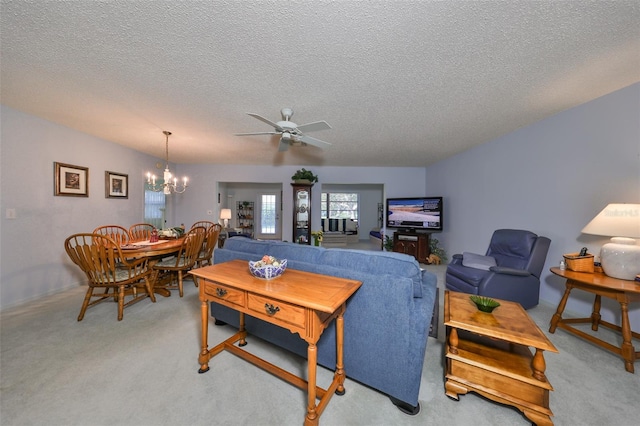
column 402, row 83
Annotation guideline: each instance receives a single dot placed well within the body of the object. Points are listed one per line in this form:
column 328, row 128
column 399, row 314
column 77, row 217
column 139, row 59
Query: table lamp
column 619, row 258
column 225, row 215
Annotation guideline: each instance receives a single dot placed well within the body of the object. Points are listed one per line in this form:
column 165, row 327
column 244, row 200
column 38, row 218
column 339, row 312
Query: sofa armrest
column 509, row 271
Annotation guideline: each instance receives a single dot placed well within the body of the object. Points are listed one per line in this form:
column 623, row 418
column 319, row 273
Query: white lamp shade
column 621, row 257
column 616, row 220
column 225, row 214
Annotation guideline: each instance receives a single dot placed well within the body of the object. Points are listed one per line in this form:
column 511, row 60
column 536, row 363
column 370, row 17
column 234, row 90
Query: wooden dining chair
column 206, row 224
column 211, row 240
column 102, row 261
column 117, row 233
column 185, row 259
column 140, row 232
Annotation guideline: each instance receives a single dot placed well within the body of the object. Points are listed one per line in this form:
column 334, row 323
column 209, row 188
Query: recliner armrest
column 456, row 259
column 509, row 271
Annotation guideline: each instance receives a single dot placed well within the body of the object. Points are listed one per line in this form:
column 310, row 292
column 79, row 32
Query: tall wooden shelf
column 302, row 213
column 245, row 215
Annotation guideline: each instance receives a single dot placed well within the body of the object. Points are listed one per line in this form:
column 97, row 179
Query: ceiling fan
column 291, row 133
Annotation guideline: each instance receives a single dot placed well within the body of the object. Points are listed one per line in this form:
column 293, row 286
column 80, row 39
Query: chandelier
column 170, row 183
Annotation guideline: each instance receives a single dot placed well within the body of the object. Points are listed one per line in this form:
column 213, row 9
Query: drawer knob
column 220, row 292
column 271, row 310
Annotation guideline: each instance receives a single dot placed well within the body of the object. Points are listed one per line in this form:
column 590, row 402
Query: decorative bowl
column 485, row 304
column 268, row 267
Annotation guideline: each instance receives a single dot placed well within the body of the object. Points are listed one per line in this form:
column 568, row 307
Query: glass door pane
column 269, row 220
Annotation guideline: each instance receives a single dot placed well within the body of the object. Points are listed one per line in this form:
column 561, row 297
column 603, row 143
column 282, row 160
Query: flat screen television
column 415, row 214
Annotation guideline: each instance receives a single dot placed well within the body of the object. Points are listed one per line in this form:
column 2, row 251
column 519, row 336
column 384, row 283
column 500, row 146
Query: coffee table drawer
column 285, row 313
column 223, row 293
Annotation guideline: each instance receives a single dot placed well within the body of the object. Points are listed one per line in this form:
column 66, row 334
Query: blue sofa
column 386, row 322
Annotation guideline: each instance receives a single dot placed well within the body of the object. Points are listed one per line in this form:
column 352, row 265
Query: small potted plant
column 437, row 251
column 388, row 243
column 304, row 176
column 317, row 237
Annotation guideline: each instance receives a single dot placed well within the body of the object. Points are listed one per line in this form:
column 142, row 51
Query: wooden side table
column 488, row 353
column 623, row 291
column 302, row 302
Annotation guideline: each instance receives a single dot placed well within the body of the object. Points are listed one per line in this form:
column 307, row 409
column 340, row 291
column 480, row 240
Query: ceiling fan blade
column 314, row 127
column 257, row 133
column 313, row 141
column 264, row 120
column 283, row 146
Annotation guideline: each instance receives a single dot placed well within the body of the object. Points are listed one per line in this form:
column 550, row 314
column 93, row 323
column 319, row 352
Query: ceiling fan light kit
column 290, row 133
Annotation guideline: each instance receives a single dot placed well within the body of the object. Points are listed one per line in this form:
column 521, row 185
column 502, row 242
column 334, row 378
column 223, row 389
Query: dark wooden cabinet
column 302, row 213
column 412, row 243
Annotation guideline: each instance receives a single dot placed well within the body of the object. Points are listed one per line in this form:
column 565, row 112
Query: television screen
column 421, row 213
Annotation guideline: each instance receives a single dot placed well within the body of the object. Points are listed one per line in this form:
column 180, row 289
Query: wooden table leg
column 539, row 365
column 154, row 279
column 627, row 350
column 243, row 340
column 312, row 359
column 595, row 315
column 558, row 315
column 339, row 374
column 204, row 347
column 453, row 341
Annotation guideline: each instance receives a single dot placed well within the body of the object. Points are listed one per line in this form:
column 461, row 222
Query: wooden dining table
column 154, row 252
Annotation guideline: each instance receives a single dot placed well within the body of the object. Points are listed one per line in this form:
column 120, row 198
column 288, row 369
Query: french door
column 269, row 211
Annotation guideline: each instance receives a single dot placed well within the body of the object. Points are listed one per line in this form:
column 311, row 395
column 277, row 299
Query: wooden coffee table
column 489, row 354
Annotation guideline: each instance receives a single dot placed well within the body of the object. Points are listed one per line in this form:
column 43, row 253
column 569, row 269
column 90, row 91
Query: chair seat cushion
column 170, row 263
column 121, row 274
column 470, row 276
column 478, row 261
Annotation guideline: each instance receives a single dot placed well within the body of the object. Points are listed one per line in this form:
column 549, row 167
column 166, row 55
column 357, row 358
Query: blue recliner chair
column 510, row 270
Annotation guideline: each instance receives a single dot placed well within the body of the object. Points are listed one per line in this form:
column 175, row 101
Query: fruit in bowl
column 268, row 267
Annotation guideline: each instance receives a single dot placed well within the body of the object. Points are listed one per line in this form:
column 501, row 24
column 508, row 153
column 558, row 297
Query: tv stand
column 413, row 243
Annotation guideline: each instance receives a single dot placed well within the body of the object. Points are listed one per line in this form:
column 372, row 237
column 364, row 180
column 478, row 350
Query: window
column 154, row 207
column 339, row 205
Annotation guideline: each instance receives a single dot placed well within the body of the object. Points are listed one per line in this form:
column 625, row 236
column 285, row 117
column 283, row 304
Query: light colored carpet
column 143, row 371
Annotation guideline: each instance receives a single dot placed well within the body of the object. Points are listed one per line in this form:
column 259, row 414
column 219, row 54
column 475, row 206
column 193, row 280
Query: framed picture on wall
column 116, row 185
column 70, row 181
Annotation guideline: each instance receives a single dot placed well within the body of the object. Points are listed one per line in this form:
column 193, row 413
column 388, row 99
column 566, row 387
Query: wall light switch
column 11, row 213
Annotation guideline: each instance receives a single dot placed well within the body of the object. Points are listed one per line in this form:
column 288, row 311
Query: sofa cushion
column 478, row 261
column 376, row 263
column 511, row 247
column 339, row 225
column 351, row 226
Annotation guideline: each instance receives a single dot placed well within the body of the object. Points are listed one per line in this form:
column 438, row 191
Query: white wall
column 551, row 178
column 202, row 194
column 33, row 262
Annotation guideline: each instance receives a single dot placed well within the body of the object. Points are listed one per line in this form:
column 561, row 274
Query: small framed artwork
column 116, row 185
column 69, row 180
